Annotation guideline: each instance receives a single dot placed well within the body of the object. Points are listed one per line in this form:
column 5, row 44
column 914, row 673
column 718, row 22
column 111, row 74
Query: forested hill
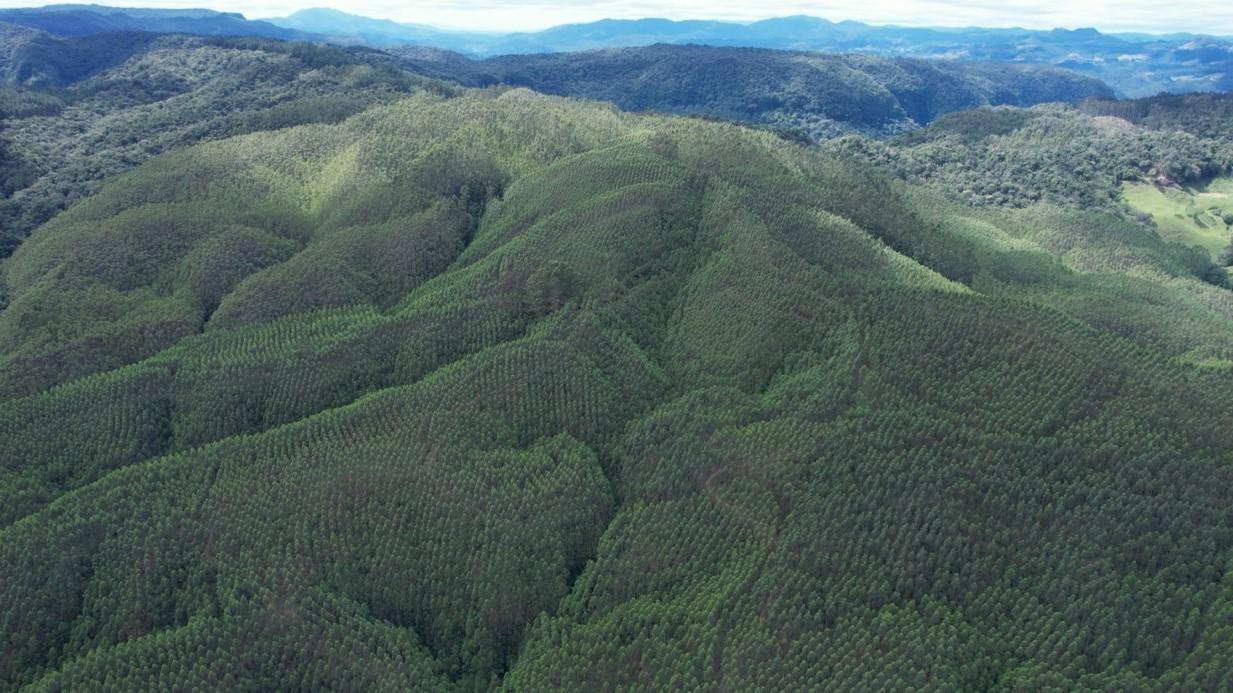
column 1174, row 153
column 498, row 389
column 76, row 111
column 1203, row 115
column 1076, row 156
column 819, row 94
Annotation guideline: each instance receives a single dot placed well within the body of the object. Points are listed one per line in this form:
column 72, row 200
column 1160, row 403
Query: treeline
column 1203, row 115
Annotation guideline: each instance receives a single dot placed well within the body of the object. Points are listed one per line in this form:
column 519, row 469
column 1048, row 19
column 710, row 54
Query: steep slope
column 1207, row 115
column 1159, row 161
column 88, row 108
column 822, row 95
column 508, row 389
column 37, row 59
column 1053, row 153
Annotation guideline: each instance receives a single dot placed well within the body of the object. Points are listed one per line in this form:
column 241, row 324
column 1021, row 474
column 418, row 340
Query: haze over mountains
column 82, row 20
column 1134, row 65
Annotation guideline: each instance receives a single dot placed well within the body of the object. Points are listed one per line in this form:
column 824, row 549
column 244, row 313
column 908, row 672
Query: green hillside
column 1163, row 162
column 1200, row 215
column 1052, row 153
column 500, row 390
column 74, row 112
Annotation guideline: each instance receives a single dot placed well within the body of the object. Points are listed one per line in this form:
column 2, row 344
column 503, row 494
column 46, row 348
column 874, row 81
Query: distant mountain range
column 1133, row 64
column 83, row 20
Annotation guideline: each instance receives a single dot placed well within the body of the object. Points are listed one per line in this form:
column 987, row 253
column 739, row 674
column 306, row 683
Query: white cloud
column 1200, row 16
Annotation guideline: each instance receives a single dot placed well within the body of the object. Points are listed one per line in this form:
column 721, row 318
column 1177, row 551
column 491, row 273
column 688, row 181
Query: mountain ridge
column 1086, row 50
column 1176, row 64
column 84, row 20
column 101, row 80
column 822, row 95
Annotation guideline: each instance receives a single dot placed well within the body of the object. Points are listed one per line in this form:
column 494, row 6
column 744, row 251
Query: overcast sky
column 1156, row 16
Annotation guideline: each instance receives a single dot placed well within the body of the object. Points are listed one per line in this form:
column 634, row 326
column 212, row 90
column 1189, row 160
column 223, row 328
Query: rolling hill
column 500, row 390
column 1161, row 160
column 329, row 368
column 76, row 111
column 1053, row 153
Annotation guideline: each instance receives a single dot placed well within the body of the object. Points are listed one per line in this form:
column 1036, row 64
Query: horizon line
column 715, row 20
column 259, row 15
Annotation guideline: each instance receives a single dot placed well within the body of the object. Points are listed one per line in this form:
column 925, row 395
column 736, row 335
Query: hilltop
column 76, row 110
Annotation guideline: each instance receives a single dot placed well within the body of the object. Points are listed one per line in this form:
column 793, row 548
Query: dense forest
column 1078, row 157
column 318, row 372
column 1053, row 153
column 75, row 111
column 501, row 388
column 822, row 95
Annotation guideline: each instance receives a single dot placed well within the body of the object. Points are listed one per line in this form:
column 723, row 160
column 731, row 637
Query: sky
column 1151, row 16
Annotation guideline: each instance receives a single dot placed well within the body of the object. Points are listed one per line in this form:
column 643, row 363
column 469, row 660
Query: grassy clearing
column 1193, row 215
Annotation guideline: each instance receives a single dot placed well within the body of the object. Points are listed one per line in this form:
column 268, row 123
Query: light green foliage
column 1194, row 216
column 504, row 390
column 100, row 105
column 1053, row 154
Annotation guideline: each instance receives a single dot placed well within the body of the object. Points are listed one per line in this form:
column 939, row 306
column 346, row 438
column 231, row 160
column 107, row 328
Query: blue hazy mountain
column 1133, row 64
column 1137, row 64
column 343, row 27
column 83, row 20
